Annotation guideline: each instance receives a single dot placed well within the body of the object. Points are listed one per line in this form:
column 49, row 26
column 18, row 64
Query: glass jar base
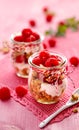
column 22, row 76
column 50, row 102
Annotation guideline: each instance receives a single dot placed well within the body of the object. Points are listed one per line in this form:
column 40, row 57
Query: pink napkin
column 7, row 126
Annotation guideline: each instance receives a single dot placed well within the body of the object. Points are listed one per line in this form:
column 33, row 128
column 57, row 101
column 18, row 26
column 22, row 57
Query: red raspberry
column 44, row 55
column 36, row 35
column 59, row 59
column 19, row 58
column 18, row 38
column 59, row 81
column 74, row 61
column 31, row 38
column 52, row 42
column 44, row 46
column 37, row 61
column 61, row 23
column 4, row 93
column 32, row 23
column 49, row 17
column 27, row 39
column 45, row 9
column 26, row 32
column 21, row 91
column 51, row 62
column 53, row 56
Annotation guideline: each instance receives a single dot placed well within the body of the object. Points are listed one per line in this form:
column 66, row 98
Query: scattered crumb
column 75, row 110
column 74, row 97
column 5, row 47
column 5, row 50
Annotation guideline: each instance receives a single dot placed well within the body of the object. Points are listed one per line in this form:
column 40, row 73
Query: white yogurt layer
column 54, row 90
column 21, row 65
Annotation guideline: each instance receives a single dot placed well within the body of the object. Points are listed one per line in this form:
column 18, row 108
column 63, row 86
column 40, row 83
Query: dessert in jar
column 24, row 44
column 47, row 78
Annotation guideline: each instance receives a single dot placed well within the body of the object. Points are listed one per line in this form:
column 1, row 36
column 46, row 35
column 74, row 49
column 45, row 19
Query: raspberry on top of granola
column 47, row 60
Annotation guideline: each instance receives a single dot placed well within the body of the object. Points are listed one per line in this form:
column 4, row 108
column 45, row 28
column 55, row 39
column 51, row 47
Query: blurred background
column 15, row 14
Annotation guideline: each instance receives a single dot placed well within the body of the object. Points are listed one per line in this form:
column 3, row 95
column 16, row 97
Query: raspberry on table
column 52, row 42
column 49, row 17
column 45, row 9
column 32, row 23
column 4, row 93
column 21, row 91
column 74, row 61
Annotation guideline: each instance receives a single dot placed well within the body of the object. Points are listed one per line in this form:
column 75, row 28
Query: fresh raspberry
column 18, row 38
column 59, row 81
column 32, row 23
column 44, row 46
column 49, row 17
column 27, row 39
column 51, row 62
column 54, row 56
column 4, row 93
column 74, row 61
column 37, row 61
column 31, row 38
column 21, row 91
column 52, row 42
column 45, row 9
column 19, row 58
column 61, row 23
column 26, row 32
column 44, row 55
column 59, row 59
column 36, row 35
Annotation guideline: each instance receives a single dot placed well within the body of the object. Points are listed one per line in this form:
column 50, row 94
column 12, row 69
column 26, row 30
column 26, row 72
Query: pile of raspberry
column 46, row 59
column 27, row 35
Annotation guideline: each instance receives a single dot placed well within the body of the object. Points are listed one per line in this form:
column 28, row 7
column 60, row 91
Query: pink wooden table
column 14, row 16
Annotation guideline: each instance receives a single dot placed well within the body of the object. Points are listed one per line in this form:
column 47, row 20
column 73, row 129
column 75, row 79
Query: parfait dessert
column 24, row 44
column 47, row 79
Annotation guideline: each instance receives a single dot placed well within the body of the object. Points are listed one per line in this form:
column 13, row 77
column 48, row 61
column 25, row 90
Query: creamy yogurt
column 54, row 90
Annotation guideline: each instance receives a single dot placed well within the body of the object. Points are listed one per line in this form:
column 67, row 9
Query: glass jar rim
column 28, row 43
column 47, row 68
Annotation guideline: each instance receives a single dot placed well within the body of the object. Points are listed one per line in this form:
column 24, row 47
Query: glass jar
column 20, row 54
column 47, row 84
